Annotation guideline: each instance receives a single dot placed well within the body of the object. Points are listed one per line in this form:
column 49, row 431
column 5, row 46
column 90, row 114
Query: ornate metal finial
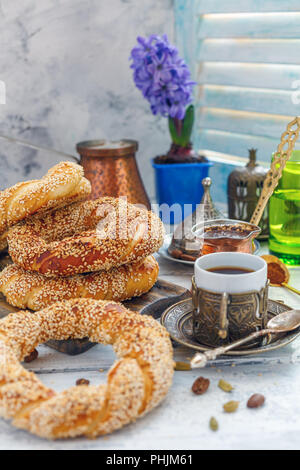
column 209, row 209
column 184, row 244
column 252, row 158
column 206, row 182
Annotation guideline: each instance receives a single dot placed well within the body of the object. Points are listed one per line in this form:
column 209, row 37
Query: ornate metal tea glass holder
column 219, row 319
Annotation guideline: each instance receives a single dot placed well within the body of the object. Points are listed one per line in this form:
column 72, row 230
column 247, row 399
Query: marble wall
column 66, row 70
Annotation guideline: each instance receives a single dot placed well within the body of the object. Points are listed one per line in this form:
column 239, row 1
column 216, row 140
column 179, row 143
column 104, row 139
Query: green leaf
column 174, row 136
column 187, row 127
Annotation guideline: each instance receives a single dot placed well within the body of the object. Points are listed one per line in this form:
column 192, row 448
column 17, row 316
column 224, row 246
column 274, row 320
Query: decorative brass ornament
column 284, row 150
column 184, row 244
column 219, row 319
column 244, row 188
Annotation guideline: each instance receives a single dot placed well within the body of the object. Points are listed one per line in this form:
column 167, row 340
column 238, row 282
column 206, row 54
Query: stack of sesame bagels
column 62, row 249
column 72, row 260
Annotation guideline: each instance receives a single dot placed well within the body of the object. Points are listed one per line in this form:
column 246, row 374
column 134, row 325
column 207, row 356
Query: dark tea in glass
column 225, row 235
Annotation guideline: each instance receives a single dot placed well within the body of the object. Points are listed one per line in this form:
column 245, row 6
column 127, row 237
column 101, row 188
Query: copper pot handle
column 223, row 321
column 39, row 147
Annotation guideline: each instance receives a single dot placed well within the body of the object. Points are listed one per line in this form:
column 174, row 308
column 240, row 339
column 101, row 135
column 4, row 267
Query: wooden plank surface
column 272, row 51
column 239, row 6
column 243, row 122
column 255, row 75
column 236, row 144
column 185, row 13
column 248, row 99
column 249, row 25
column 247, row 62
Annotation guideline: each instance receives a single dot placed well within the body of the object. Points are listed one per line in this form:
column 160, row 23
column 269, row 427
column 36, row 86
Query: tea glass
column 222, row 235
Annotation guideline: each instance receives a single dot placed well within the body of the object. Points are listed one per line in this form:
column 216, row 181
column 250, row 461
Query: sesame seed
column 25, row 289
column 85, row 237
column 137, row 381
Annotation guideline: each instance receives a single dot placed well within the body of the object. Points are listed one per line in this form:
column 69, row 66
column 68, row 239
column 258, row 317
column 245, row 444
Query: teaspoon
column 282, row 323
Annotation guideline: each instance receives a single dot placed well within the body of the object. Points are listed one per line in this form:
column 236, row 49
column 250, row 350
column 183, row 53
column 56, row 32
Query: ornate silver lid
column 184, row 244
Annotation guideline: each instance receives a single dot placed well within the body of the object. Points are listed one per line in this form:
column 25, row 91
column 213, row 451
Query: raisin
column 82, row 382
column 32, row 356
column 200, row 385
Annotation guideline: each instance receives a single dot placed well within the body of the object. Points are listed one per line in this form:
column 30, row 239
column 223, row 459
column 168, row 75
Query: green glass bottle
column 284, row 214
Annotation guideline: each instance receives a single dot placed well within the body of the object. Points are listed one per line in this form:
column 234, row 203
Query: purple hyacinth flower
column 162, row 76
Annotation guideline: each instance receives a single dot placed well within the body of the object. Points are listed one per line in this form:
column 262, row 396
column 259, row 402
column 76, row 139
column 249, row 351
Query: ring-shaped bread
column 137, row 381
column 85, row 237
column 25, row 289
column 63, row 184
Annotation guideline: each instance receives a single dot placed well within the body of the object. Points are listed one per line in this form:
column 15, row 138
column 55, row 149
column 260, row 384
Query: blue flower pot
column 179, row 189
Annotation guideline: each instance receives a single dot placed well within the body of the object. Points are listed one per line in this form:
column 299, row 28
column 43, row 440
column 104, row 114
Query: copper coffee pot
column 112, row 169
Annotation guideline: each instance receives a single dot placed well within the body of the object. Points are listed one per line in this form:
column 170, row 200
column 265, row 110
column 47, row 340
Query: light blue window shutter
column 245, row 56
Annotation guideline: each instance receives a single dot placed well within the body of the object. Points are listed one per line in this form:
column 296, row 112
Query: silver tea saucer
column 177, row 319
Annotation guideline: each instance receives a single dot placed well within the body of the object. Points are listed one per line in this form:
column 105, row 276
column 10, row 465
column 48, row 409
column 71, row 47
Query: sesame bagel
column 85, row 237
column 137, row 382
column 63, row 184
column 25, row 289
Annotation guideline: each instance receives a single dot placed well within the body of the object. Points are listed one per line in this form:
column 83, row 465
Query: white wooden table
column 181, row 421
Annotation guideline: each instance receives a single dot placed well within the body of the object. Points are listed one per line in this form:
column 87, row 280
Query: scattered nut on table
column 225, row 386
column 213, row 424
column 231, row 406
column 256, row 400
